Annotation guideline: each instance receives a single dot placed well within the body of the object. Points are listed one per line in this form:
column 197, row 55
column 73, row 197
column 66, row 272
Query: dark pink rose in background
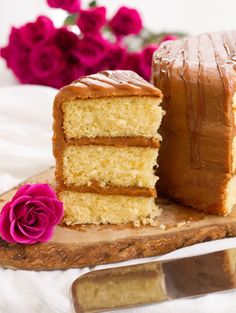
column 91, row 50
column 71, row 6
column 92, row 20
column 168, row 37
column 73, row 62
column 37, row 32
column 115, row 58
column 46, row 60
column 31, row 215
column 146, row 60
column 66, row 40
column 126, row 22
column 39, row 53
column 73, row 69
column 14, row 47
column 17, row 55
column 133, row 62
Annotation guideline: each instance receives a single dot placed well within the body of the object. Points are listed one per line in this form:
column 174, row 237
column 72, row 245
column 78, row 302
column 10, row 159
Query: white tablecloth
column 25, row 149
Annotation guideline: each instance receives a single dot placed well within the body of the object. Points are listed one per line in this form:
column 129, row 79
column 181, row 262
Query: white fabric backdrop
column 25, row 149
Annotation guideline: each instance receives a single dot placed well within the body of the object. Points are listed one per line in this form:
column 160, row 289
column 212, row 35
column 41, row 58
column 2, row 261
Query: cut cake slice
column 106, row 144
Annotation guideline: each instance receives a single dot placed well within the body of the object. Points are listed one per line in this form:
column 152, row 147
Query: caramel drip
column 165, row 68
column 169, row 72
column 230, row 49
column 201, row 106
column 192, row 114
column 227, row 88
column 195, row 115
column 164, row 64
column 222, row 69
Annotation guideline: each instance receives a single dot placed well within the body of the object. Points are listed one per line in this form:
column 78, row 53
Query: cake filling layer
column 109, row 166
column 90, row 208
column 116, row 141
column 112, row 190
column 112, row 117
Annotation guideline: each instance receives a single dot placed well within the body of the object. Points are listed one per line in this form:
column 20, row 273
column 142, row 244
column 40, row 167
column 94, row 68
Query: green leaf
column 93, row 4
column 71, row 19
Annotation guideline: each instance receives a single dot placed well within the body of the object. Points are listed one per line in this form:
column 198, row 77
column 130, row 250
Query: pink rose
column 31, row 215
column 91, row 50
column 66, row 40
column 45, row 60
column 72, row 70
column 14, row 47
column 17, row 55
column 146, row 60
column 126, row 22
column 115, row 58
column 92, row 20
column 37, row 32
column 168, row 37
column 71, row 6
column 133, row 62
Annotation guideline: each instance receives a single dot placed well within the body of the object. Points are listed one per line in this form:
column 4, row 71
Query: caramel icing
column 109, row 190
column 102, row 84
column 116, row 141
column 197, row 77
column 108, row 84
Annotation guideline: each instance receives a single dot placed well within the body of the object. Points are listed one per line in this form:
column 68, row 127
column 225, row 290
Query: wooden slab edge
column 91, row 246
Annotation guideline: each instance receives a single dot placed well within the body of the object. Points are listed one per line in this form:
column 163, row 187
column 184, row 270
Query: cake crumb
column 137, row 224
column 162, row 227
column 181, row 224
column 154, row 223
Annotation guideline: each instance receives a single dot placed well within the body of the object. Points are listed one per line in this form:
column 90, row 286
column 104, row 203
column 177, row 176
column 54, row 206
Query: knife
column 137, row 285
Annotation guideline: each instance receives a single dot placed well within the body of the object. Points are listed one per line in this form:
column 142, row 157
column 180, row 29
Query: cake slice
column 197, row 159
column 106, row 144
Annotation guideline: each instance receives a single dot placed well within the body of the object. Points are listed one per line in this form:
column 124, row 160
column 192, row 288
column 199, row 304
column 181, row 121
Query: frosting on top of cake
column 108, row 84
column 209, row 56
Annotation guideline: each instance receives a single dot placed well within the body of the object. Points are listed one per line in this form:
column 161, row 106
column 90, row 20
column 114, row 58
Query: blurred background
column 178, row 15
column 169, row 16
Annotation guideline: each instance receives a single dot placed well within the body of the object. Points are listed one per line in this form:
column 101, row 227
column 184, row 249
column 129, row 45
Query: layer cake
column 197, row 159
column 106, row 144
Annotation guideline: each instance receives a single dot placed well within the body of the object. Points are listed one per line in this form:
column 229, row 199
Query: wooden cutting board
column 88, row 245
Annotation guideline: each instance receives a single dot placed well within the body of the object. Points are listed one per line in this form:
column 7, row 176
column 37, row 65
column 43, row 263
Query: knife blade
column 148, row 283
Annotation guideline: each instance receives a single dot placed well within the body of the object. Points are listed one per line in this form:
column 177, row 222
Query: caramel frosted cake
column 197, row 159
column 106, row 145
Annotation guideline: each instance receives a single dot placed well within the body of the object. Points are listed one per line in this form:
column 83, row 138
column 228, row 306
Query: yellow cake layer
column 113, row 166
column 230, row 195
column 119, row 288
column 91, row 208
column 112, row 117
column 234, row 154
